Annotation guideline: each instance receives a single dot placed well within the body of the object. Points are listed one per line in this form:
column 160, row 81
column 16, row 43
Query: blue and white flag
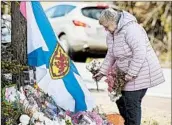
column 56, row 73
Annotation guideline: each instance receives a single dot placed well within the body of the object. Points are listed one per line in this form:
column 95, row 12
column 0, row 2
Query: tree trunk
column 18, row 40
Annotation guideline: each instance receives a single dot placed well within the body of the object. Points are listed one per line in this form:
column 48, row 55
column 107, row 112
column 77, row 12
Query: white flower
column 38, row 115
column 93, row 66
column 11, row 94
column 24, row 119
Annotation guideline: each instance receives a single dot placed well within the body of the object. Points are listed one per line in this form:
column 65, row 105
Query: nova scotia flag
column 56, row 74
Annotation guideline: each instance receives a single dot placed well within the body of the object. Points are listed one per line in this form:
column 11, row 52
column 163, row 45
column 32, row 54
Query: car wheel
column 79, row 57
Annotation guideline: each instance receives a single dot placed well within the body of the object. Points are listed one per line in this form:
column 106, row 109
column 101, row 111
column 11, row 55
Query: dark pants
column 129, row 106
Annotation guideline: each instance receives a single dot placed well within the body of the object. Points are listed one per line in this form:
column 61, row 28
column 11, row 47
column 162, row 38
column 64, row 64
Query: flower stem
column 97, row 85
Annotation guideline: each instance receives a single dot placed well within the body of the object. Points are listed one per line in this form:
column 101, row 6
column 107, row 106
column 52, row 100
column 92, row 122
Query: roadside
column 156, row 110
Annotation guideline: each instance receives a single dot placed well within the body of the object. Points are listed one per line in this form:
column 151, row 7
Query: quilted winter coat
column 129, row 48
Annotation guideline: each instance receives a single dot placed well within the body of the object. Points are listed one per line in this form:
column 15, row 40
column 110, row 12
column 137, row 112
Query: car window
column 92, row 12
column 50, row 12
column 60, row 10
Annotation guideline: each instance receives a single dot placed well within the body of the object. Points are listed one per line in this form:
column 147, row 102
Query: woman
column 130, row 50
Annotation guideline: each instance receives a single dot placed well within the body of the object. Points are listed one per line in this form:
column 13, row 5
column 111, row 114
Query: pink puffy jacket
column 129, row 48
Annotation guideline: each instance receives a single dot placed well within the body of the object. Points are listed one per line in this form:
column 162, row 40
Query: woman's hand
column 98, row 76
column 128, row 78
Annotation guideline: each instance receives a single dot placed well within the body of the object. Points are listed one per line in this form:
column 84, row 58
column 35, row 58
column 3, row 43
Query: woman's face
column 109, row 27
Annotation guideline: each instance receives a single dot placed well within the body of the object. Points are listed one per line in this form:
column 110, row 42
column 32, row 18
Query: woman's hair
column 109, row 15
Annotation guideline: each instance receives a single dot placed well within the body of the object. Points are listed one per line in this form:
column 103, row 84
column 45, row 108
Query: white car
column 77, row 26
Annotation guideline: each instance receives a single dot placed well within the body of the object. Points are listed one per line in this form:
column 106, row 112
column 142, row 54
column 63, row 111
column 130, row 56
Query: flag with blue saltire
column 56, row 74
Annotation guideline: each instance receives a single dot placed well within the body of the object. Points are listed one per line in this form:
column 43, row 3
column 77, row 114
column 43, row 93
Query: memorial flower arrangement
column 31, row 106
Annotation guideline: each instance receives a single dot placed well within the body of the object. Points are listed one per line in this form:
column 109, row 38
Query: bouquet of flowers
column 88, row 118
column 116, row 81
column 94, row 67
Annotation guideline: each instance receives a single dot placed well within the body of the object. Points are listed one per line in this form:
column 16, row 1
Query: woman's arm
column 109, row 58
